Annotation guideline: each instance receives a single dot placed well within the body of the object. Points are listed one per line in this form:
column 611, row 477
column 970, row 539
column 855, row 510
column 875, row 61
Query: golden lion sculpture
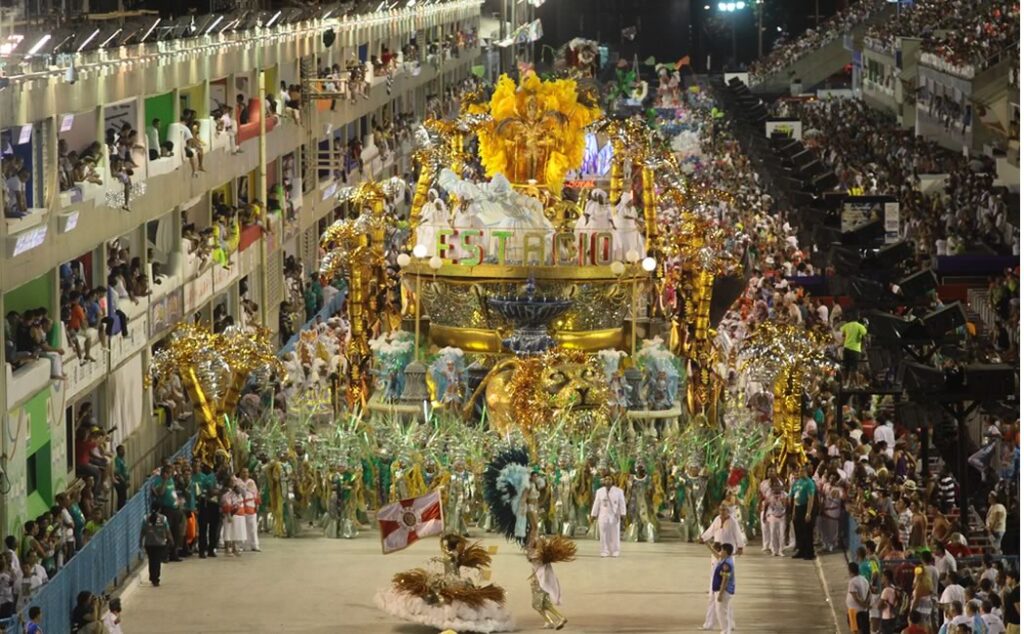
column 530, row 392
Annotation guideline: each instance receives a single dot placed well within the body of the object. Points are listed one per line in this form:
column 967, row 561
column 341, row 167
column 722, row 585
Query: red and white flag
column 406, row 521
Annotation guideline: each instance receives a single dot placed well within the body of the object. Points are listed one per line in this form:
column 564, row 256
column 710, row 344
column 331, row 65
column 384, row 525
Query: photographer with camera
column 156, row 539
column 166, row 500
column 86, row 616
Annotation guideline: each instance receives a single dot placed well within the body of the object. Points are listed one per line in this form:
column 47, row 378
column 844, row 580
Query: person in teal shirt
column 121, row 477
column 165, row 497
column 803, row 495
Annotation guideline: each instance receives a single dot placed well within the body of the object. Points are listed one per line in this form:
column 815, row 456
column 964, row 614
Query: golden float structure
column 794, row 361
column 533, row 133
column 213, row 369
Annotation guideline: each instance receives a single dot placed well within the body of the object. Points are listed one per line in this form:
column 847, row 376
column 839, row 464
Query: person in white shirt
column 725, row 530
column 992, row 621
column 774, row 517
column 945, row 563
column 251, row 503
column 609, row 509
column 885, row 433
column 857, row 600
column 112, row 619
column 953, row 593
column 227, row 125
column 153, row 139
column 7, row 586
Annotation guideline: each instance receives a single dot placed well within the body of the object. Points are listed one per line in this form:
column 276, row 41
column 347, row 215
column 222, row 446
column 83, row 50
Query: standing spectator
column 209, row 512
column 889, row 603
column 35, row 620
column 17, row 203
column 153, row 139
column 803, row 496
column 853, row 338
column 121, row 477
column 857, row 600
column 1011, row 602
column 157, row 540
column 166, row 499
column 947, row 491
column 241, row 109
column 7, row 588
column 995, row 523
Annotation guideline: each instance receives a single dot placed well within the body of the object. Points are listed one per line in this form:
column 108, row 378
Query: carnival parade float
column 549, row 309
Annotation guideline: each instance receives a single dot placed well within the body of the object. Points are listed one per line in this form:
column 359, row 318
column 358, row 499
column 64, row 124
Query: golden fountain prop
column 213, row 368
column 794, row 360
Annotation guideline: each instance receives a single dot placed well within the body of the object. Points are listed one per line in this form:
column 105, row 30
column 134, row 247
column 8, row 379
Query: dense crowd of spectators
column 49, row 541
column 912, row 572
column 871, row 155
column 813, row 39
column 963, row 34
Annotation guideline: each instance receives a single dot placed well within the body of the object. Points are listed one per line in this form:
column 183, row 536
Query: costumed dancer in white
column 628, row 237
column 774, row 518
column 496, row 205
column 597, row 215
column 725, row 530
column 433, row 219
column 609, row 509
column 251, row 502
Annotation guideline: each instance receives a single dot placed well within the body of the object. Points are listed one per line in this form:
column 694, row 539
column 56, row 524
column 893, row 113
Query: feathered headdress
column 505, row 482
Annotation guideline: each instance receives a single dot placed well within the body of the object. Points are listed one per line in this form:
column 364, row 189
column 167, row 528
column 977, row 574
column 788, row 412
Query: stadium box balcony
column 965, row 108
column 889, row 76
column 162, row 186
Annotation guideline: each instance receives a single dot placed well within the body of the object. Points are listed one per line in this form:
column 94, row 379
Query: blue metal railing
column 108, row 557
column 114, row 551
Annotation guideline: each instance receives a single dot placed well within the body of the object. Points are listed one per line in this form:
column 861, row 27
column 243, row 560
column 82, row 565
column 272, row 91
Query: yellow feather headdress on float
column 536, row 131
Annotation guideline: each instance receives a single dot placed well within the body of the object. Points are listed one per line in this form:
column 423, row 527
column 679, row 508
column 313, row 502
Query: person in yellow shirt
column 853, row 342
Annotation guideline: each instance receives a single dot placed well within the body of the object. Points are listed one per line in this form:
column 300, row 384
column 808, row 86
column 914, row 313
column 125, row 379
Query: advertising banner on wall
column 792, row 128
column 857, row 211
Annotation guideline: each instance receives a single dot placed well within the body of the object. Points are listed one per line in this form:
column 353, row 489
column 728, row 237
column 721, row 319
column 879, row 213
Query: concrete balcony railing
column 38, row 91
column 166, row 189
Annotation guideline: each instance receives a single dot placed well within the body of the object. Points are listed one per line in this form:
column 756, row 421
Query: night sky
column 669, row 29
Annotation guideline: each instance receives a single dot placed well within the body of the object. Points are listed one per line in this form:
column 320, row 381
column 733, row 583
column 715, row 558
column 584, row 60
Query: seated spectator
column 17, row 201
column 87, row 464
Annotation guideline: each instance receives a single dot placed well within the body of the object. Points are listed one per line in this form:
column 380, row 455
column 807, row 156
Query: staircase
column 977, row 536
column 817, row 65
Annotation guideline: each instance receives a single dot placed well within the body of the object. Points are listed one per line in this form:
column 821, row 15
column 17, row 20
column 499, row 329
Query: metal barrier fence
column 107, row 559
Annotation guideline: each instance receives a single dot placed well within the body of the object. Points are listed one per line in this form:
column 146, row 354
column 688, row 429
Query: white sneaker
column 604, row 554
column 615, row 554
column 175, row 426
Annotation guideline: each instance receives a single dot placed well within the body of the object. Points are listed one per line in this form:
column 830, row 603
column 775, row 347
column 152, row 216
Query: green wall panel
column 32, row 294
column 37, row 409
column 161, row 107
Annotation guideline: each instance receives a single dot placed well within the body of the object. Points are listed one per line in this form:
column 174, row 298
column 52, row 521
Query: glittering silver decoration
column 115, row 198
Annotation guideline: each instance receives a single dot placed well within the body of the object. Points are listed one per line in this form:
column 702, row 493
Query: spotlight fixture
column 38, row 45
column 104, row 43
column 214, row 24
column 150, row 31
column 91, row 37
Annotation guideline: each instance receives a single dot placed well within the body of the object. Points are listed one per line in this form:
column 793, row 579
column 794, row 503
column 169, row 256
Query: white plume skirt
column 457, row 616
